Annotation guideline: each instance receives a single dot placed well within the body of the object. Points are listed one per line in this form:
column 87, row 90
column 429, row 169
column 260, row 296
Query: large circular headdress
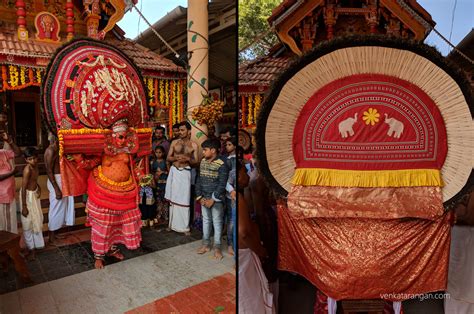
column 368, row 111
column 91, row 84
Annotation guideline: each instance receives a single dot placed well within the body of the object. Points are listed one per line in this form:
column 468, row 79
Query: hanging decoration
column 166, row 94
column 15, row 77
column 209, row 112
column 250, row 107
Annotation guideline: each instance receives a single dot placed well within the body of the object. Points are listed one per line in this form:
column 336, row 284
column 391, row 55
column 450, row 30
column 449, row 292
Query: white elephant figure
column 345, row 126
column 396, row 127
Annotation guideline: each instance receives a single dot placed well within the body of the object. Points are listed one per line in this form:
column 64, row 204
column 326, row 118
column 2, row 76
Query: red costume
column 95, row 99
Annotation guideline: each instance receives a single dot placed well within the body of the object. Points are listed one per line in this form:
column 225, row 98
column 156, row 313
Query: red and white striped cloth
column 110, row 227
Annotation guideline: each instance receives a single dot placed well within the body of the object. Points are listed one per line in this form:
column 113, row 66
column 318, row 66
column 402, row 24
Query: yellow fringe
column 367, row 178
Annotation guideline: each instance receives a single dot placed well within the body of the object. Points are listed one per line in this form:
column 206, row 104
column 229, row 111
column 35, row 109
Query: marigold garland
column 167, row 93
column 162, row 93
column 15, row 77
column 256, row 108
column 250, row 111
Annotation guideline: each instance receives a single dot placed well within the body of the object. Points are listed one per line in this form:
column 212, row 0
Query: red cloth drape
column 363, row 258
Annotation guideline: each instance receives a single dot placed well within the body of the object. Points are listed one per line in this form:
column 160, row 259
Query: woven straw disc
column 403, row 64
column 245, row 140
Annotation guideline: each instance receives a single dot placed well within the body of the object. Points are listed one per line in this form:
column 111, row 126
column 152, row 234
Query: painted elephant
column 345, row 126
column 396, row 127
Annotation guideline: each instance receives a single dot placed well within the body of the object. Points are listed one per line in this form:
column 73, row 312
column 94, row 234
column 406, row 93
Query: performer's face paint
column 120, row 139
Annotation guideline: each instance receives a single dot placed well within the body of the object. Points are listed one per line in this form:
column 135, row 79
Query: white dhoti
column 254, row 294
column 61, row 212
column 178, row 193
column 460, row 298
column 8, row 218
column 33, row 223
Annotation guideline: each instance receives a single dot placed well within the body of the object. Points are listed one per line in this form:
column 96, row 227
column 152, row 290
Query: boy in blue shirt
column 211, row 193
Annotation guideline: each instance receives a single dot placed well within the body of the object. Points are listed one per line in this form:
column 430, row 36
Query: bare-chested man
column 31, row 213
column 61, row 209
column 183, row 155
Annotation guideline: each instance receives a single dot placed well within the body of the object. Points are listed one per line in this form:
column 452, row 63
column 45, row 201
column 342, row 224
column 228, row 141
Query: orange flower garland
column 16, row 77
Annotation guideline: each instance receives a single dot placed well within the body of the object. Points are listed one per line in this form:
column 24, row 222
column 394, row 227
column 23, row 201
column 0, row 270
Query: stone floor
column 75, row 256
column 130, row 284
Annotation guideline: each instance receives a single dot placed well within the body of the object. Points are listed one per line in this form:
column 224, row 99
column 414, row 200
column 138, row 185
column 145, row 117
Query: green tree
column 253, row 15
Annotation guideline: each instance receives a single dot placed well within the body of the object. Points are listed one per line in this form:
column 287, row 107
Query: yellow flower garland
column 162, row 93
column 22, row 76
column 256, row 110
column 112, row 182
column 150, row 89
column 167, row 87
column 38, row 76
column 13, row 75
column 250, row 111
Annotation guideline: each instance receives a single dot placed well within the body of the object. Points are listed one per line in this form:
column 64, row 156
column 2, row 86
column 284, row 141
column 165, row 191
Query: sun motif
column 371, row 116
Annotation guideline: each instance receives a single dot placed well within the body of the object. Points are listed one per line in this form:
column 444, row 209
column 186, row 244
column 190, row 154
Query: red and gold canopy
column 367, row 137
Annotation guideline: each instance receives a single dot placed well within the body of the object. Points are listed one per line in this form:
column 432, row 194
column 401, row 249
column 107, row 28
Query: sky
column 441, row 12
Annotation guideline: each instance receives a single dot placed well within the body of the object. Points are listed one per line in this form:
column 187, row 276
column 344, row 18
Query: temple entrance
column 25, row 122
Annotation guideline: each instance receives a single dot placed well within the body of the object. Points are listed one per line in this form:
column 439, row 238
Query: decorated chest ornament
column 367, row 138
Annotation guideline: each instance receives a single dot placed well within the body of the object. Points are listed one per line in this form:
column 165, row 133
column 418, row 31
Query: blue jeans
column 212, row 217
column 229, row 221
column 234, row 219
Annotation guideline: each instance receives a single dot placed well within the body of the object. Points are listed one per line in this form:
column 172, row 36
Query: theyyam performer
column 94, row 99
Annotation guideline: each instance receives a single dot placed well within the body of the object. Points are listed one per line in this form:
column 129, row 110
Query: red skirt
column 110, row 227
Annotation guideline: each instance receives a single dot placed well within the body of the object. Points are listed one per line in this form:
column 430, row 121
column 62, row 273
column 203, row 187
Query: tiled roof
column 10, row 45
column 286, row 4
column 263, row 71
column 143, row 57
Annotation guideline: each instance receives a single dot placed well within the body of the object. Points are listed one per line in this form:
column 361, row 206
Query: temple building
column 301, row 25
column 30, row 33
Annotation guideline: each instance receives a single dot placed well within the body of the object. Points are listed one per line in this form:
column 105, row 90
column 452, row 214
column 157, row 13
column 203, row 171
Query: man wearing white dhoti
column 254, row 292
column 61, row 209
column 8, row 152
column 183, row 154
column 31, row 213
column 178, row 193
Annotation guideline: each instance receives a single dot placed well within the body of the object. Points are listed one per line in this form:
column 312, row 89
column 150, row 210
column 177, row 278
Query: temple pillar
column 21, row 21
column 330, row 17
column 198, row 63
column 70, row 19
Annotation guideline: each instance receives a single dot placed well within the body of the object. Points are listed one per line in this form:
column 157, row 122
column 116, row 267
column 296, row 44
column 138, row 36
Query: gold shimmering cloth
column 361, row 258
column 385, row 203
